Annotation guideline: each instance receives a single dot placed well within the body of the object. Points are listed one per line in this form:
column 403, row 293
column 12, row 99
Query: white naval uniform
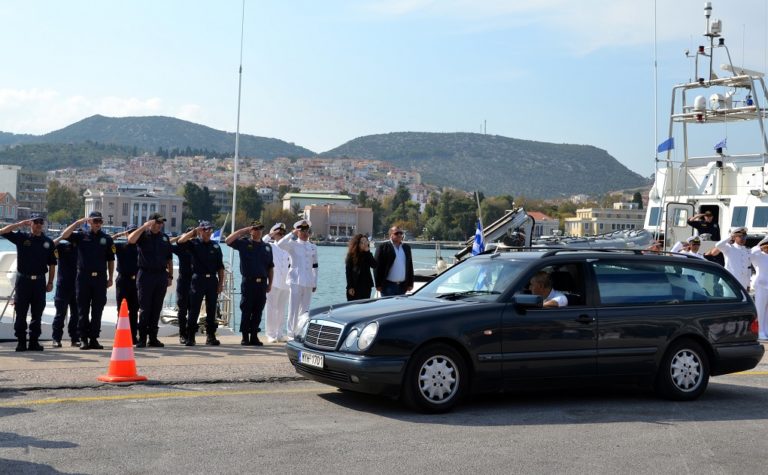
column 759, row 260
column 302, row 277
column 736, row 260
column 277, row 298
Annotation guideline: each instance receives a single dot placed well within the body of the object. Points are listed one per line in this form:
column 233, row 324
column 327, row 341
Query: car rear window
column 648, row 283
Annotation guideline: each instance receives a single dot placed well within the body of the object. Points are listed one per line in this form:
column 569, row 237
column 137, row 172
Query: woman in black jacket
column 359, row 262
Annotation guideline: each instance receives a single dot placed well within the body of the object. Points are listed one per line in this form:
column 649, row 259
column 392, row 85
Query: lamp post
column 110, row 219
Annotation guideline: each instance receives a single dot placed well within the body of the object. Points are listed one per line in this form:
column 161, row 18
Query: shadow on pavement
column 20, row 467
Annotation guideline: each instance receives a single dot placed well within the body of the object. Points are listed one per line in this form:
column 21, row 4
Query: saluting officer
column 303, row 274
column 35, row 256
column 155, row 276
column 64, row 299
column 183, row 284
column 207, row 280
column 95, row 270
column 256, row 269
column 277, row 298
column 125, row 284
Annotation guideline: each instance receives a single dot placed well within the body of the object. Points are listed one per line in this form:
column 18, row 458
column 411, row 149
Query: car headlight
column 303, row 323
column 367, row 336
column 350, row 341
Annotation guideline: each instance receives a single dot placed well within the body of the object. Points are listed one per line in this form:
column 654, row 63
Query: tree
column 638, row 198
column 66, row 203
column 199, row 203
column 274, row 213
column 249, row 202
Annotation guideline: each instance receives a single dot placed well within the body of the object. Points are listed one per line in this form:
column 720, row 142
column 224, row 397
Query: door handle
column 585, row 318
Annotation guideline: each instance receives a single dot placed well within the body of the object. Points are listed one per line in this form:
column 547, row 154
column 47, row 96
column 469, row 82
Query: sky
column 321, row 73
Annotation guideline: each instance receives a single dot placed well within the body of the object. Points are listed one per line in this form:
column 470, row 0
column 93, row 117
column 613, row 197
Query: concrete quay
column 69, row 367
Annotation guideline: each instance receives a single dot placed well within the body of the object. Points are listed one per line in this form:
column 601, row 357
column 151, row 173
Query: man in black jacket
column 394, row 271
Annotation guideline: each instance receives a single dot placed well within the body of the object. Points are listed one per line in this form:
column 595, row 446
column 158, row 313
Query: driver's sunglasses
column 399, row 233
column 97, row 221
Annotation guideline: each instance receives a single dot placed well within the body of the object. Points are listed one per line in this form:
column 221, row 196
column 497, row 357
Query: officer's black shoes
column 182, row 339
column 211, row 340
column 190, row 341
column 75, row 342
column 84, row 344
column 56, row 344
column 34, row 346
column 155, row 343
column 95, row 344
column 245, row 341
column 255, row 340
column 142, row 342
column 22, row 345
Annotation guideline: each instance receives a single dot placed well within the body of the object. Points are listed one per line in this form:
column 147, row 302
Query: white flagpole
column 237, row 136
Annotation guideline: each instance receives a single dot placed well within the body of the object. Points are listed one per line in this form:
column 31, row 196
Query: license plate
column 311, row 359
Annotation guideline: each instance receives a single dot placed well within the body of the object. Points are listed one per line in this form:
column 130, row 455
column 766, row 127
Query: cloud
column 39, row 111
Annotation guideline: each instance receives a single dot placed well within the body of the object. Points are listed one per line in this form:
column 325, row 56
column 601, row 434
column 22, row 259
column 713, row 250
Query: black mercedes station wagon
column 668, row 321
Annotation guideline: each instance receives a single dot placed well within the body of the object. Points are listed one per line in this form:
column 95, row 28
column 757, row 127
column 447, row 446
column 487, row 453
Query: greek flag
column 721, row 144
column 478, row 246
column 216, row 236
column 668, row 144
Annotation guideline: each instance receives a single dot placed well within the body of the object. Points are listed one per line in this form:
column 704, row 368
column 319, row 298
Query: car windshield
column 476, row 278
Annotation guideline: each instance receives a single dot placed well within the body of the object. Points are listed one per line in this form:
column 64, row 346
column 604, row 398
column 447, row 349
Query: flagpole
column 237, row 135
column 479, row 214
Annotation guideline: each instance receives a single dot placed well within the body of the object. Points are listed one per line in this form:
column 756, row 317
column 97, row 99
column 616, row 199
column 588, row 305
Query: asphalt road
column 303, row 427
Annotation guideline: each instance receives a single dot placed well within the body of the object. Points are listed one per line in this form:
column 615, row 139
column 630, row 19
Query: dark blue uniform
column 154, row 256
column 66, row 274
column 207, row 260
column 33, row 256
column 183, row 284
column 125, row 284
column 255, row 264
column 94, row 251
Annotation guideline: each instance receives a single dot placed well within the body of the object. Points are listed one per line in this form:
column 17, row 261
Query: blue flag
column 721, row 144
column 479, row 245
column 216, row 236
column 668, row 144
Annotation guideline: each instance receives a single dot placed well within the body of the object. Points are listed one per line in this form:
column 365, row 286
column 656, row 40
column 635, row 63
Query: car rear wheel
column 436, row 379
column 684, row 371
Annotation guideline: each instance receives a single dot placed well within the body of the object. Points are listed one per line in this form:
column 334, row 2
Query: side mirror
column 528, row 300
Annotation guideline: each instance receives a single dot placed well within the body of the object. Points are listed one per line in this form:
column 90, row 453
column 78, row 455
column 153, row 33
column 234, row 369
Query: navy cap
column 204, row 224
column 95, row 214
column 257, row 224
column 131, row 227
column 156, row 217
column 36, row 216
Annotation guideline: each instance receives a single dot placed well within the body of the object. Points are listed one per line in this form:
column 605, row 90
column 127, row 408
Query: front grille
column 322, row 373
column 322, row 334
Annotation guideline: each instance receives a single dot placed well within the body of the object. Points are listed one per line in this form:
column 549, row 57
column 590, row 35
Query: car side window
column 649, row 283
column 566, row 278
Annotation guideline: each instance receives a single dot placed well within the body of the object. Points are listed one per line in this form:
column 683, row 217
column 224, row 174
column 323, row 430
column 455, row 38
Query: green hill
column 497, row 165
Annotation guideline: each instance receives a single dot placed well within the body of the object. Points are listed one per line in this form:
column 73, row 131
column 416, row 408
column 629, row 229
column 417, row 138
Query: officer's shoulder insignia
column 103, row 241
column 215, row 246
column 268, row 248
column 47, row 245
column 114, row 249
column 27, row 242
column 56, row 253
column 165, row 238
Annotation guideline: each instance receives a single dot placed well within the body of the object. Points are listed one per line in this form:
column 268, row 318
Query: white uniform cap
column 276, row 227
column 763, row 241
column 739, row 230
column 302, row 223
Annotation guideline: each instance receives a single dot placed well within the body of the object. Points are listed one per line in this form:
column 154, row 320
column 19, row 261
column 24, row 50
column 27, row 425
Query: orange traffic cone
column 122, row 365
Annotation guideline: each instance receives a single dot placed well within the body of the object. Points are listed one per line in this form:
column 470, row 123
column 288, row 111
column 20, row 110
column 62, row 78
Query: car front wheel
column 436, row 379
column 684, row 372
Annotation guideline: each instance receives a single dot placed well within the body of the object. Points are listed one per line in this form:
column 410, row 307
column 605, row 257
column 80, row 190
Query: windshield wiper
column 466, row 293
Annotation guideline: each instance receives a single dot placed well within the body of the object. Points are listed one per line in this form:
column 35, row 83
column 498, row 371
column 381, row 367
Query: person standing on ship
column 358, row 265
column 125, row 284
column 705, row 223
column 759, row 259
column 183, row 284
column 394, row 270
column 303, row 274
column 207, row 280
column 736, row 255
column 95, row 270
column 64, row 298
column 256, row 271
column 35, row 256
column 154, row 277
column 277, row 298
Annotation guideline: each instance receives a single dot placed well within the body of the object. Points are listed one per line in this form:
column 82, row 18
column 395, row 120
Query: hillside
column 497, row 165
column 148, row 134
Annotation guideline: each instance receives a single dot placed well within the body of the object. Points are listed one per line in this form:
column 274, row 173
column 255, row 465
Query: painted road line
column 163, row 395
